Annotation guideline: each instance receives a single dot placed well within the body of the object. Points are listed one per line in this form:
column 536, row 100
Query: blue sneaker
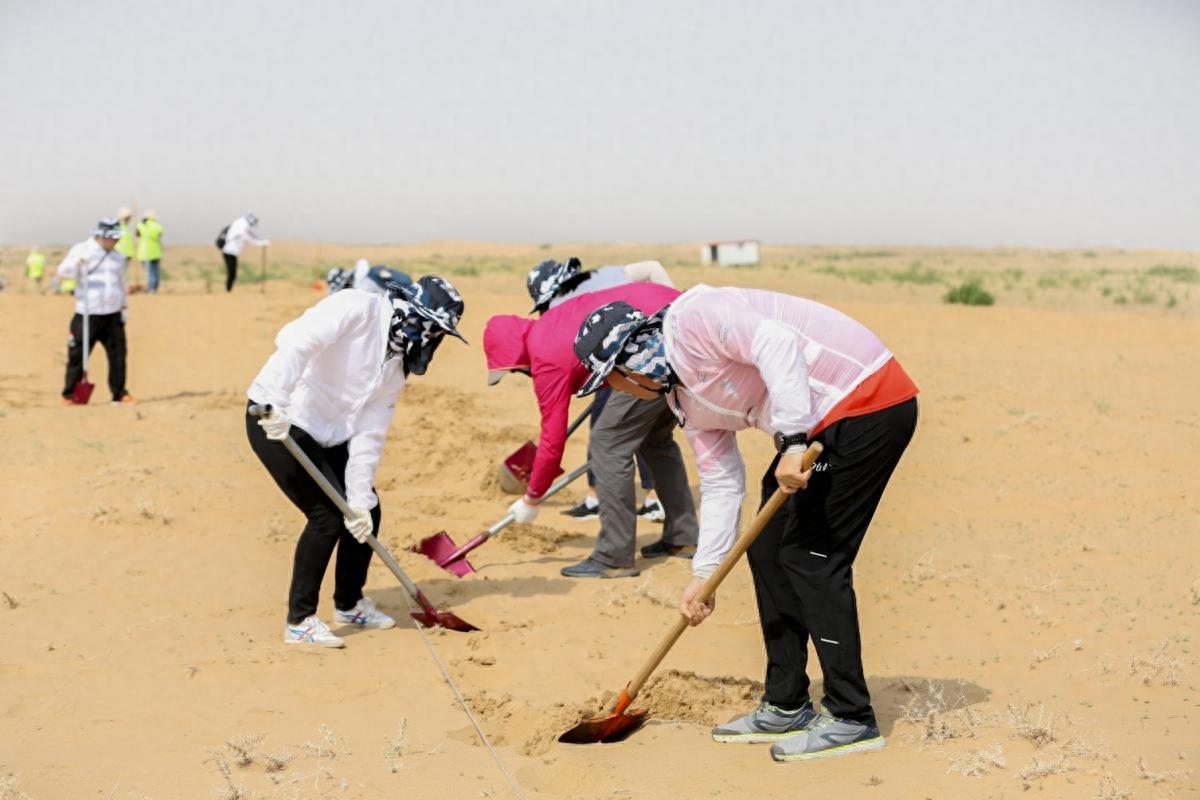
column 767, row 723
column 828, row 736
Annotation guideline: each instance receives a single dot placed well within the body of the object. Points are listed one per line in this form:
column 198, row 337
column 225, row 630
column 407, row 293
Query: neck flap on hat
column 646, row 354
column 413, row 336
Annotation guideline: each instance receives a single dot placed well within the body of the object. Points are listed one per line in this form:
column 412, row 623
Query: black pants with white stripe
column 803, row 561
column 324, row 530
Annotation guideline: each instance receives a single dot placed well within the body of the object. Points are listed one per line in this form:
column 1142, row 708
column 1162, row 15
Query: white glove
column 275, row 425
column 359, row 524
column 523, row 512
column 264, row 243
column 124, row 315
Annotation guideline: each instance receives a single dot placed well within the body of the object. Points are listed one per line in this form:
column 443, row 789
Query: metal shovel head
column 605, row 731
column 82, row 392
column 443, row 619
column 438, row 548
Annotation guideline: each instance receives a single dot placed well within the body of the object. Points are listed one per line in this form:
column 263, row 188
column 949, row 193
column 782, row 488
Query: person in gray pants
column 625, row 427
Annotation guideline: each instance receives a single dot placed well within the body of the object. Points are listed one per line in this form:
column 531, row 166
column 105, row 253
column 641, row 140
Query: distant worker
column 35, row 267
column 233, row 240
column 102, row 294
column 552, row 283
column 125, row 243
column 149, row 248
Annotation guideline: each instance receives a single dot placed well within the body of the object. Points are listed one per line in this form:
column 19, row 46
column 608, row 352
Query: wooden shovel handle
column 743, row 543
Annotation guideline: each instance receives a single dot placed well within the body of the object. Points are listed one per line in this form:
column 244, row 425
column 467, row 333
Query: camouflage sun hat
column 544, row 281
column 601, row 338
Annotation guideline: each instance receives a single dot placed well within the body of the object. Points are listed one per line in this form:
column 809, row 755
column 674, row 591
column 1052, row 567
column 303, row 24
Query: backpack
column 221, row 238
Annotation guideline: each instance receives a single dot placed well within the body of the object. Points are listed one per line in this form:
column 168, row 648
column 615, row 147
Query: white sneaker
column 311, row 631
column 364, row 615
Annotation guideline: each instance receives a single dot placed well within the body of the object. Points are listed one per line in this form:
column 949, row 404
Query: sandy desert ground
column 1029, row 591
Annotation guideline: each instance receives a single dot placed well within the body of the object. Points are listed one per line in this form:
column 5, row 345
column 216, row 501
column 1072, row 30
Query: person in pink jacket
column 542, row 348
column 729, row 359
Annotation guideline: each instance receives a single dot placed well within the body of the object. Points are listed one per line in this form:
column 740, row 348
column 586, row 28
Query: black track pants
column 230, row 271
column 802, row 562
column 108, row 330
column 324, row 530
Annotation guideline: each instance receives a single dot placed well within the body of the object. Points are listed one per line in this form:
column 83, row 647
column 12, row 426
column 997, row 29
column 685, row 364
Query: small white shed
column 742, row 253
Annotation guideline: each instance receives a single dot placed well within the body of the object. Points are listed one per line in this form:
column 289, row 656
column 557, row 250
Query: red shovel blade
column 439, row 548
column 608, row 729
column 82, row 392
column 520, row 463
column 443, row 619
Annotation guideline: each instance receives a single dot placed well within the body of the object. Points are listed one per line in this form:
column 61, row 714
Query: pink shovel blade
column 520, row 463
column 438, row 548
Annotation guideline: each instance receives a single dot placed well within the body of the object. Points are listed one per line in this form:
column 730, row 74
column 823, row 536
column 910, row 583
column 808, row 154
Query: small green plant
column 970, row 293
column 1175, row 272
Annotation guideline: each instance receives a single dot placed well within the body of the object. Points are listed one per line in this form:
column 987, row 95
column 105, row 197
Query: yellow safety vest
column 149, row 233
column 125, row 243
column 36, row 264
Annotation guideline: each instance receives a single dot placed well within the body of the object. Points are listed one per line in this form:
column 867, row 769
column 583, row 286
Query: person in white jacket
column 98, row 270
column 332, row 384
column 239, row 233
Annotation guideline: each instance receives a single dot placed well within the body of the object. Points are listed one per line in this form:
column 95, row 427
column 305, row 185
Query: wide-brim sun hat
column 436, row 299
column 544, row 280
column 602, row 337
column 107, row 228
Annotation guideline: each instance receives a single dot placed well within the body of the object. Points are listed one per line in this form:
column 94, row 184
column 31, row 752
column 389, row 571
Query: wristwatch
column 785, row 440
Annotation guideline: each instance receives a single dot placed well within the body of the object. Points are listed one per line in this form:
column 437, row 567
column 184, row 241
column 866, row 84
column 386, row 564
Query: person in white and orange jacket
column 730, row 359
column 332, row 385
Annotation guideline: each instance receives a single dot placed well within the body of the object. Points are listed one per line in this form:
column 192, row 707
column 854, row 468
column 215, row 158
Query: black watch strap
column 785, row 440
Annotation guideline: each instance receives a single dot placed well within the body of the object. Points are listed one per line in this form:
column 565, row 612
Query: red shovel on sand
column 442, row 550
column 81, row 392
column 428, row 616
column 623, row 722
column 516, row 469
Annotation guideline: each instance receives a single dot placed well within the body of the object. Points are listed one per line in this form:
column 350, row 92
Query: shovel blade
column 443, row 619
column 520, row 463
column 438, row 548
column 605, row 731
column 82, row 392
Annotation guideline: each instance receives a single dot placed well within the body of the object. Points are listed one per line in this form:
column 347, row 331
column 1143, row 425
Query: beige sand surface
column 1029, row 591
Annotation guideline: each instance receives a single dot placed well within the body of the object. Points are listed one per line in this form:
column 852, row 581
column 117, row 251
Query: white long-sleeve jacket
column 101, row 277
column 329, row 374
column 239, row 235
column 748, row 358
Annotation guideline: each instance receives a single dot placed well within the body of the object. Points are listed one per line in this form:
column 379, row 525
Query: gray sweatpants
column 627, row 425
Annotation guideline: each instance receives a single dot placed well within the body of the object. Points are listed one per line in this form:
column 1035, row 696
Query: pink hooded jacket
column 546, row 348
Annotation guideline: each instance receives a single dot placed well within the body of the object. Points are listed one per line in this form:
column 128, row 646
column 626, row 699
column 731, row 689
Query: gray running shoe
column 767, row 723
column 828, row 736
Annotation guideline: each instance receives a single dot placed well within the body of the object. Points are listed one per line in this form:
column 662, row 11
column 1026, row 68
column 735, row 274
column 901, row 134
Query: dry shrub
column 654, row 594
column 1040, row 769
column 940, row 719
column 229, row 789
column 1154, row 666
column 1196, row 592
column 8, row 786
column 9, row 600
column 922, row 570
column 243, row 748
column 1107, row 788
column 1159, row 777
column 974, row 763
column 1037, row 730
column 1038, row 658
column 148, row 510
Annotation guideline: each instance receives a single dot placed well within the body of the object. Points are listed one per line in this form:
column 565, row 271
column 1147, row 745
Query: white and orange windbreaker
column 748, row 358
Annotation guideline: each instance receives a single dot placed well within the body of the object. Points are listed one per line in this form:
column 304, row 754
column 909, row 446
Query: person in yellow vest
column 125, row 243
column 35, row 266
column 149, row 248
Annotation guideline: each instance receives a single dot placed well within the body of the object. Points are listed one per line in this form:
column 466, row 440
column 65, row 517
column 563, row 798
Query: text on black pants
column 802, row 562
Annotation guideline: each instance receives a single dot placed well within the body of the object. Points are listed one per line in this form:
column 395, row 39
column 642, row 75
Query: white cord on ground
column 512, row 782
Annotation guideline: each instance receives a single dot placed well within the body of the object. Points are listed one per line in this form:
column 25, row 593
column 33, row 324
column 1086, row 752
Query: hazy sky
column 1028, row 122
